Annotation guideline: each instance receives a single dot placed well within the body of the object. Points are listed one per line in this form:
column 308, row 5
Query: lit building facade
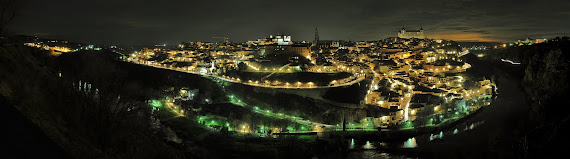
column 529, row 41
column 276, row 40
column 408, row 34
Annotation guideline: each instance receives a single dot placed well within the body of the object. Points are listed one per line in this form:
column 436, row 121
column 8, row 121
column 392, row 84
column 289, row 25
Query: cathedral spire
column 316, row 35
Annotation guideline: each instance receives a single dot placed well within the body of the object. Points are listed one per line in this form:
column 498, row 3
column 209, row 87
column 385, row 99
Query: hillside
column 70, row 118
column 545, row 81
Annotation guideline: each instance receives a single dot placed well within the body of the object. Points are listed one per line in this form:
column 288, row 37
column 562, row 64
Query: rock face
column 546, row 84
column 546, row 79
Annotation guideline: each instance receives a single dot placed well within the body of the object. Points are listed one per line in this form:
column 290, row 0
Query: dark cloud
column 458, row 28
column 172, row 21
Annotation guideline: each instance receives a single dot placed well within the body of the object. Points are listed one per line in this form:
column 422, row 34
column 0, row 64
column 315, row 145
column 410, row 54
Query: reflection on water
column 368, row 146
column 373, row 149
column 468, row 126
column 373, row 154
column 473, row 125
column 410, row 143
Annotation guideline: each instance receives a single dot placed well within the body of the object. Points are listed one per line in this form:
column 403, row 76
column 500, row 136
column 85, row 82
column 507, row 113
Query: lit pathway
column 299, row 120
column 353, row 80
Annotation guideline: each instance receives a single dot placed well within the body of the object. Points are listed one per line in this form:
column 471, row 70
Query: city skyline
column 285, row 79
column 110, row 22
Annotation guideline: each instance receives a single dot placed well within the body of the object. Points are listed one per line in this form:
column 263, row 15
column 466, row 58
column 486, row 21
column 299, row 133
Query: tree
column 242, row 67
column 7, row 14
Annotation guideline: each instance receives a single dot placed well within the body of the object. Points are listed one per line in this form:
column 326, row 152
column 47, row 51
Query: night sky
column 174, row 21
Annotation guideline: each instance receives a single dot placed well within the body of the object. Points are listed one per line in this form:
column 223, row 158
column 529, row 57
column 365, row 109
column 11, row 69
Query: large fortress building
column 408, row 34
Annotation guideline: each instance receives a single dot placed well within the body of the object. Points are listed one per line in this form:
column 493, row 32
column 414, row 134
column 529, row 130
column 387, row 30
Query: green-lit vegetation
column 156, row 103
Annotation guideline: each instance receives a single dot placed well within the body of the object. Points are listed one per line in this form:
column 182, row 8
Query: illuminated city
column 243, row 80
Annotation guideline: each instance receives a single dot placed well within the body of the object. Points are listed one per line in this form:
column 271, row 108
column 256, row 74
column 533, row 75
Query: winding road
column 353, row 79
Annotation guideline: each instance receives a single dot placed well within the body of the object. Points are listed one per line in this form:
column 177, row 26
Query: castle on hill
column 408, row 34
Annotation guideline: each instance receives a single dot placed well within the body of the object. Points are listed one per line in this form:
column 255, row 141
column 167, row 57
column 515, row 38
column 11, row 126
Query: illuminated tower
column 316, row 37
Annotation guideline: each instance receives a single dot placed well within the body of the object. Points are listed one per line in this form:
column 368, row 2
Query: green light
column 156, row 103
column 256, row 108
column 409, row 124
